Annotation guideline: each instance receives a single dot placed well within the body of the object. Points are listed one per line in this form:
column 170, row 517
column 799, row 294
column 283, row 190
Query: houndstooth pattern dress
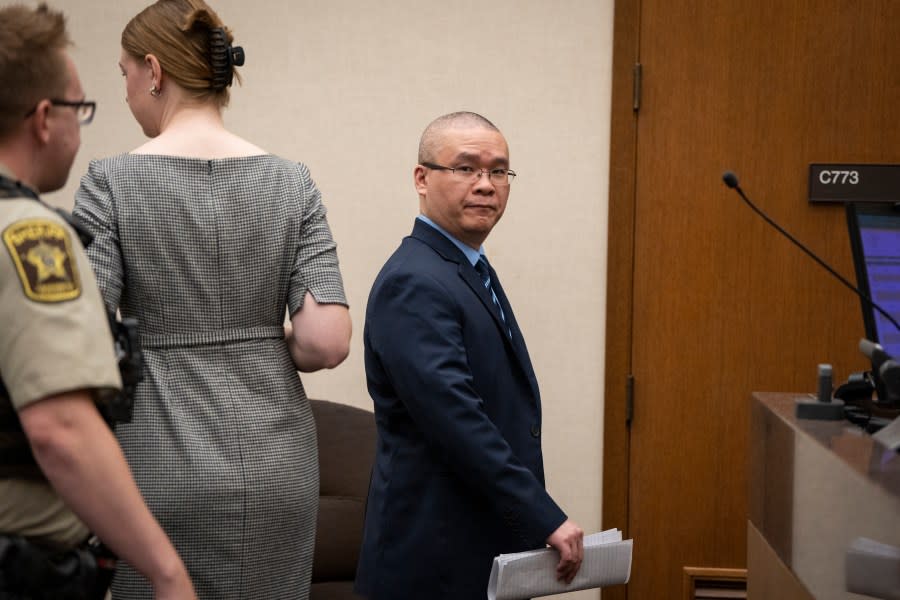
column 206, row 254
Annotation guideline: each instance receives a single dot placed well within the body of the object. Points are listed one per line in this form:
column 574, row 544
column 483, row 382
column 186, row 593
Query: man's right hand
column 568, row 540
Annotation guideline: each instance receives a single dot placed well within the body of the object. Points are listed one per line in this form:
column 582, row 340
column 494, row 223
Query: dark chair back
column 346, row 441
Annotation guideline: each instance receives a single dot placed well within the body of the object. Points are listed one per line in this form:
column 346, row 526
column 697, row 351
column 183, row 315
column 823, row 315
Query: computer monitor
column 875, row 242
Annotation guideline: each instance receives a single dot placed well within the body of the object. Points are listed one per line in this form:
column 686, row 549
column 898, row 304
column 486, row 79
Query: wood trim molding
column 693, row 574
column 619, row 272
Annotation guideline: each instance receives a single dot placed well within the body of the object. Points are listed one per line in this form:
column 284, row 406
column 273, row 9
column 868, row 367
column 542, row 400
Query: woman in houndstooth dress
column 206, row 239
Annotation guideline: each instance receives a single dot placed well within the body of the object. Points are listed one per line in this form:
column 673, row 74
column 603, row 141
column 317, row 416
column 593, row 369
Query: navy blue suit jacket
column 458, row 475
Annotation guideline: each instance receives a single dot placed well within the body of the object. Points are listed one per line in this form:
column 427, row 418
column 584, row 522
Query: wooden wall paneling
column 619, row 273
column 721, row 304
column 770, row 579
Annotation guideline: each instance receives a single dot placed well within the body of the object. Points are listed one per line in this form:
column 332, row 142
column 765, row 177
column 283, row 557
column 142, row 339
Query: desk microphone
column 874, row 351
column 887, row 369
column 731, row 181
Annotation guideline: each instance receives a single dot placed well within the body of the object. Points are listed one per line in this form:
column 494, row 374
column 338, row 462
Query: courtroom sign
column 854, row 183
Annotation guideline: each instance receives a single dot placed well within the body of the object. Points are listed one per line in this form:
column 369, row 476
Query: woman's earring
column 154, row 91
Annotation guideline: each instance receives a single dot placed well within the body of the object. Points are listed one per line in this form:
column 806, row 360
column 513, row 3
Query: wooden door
column 706, row 302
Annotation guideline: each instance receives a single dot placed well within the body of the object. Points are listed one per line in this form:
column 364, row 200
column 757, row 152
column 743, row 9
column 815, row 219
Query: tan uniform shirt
column 54, row 338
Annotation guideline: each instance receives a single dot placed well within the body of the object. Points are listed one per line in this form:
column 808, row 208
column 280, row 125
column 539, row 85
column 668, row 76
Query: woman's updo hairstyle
column 192, row 45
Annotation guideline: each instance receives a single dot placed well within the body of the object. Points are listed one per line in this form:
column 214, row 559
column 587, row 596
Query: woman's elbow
column 335, row 354
column 321, row 338
column 321, row 358
column 339, row 341
column 336, row 347
column 320, row 353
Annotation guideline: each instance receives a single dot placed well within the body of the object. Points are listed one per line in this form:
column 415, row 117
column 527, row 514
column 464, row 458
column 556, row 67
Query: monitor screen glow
column 876, row 254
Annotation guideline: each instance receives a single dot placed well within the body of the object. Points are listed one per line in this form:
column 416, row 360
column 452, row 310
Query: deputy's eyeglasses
column 471, row 174
column 84, row 109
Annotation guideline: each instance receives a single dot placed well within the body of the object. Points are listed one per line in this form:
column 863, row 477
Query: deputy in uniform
column 62, row 473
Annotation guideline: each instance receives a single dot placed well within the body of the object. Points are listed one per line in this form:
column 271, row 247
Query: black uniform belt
column 30, row 572
column 210, row 337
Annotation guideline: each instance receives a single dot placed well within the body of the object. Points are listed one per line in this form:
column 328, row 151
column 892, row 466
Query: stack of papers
column 607, row 561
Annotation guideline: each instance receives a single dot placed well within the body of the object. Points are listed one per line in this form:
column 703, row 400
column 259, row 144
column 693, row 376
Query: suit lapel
column 436, row 240
column 467, row 272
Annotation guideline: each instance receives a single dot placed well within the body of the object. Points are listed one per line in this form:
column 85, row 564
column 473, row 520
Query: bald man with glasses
column 459, row 475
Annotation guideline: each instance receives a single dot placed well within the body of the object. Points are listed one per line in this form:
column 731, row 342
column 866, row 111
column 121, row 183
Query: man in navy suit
column 458, row 476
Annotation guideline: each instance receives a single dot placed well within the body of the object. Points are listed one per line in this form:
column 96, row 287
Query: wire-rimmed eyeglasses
column 84, row 109
column 498, row 176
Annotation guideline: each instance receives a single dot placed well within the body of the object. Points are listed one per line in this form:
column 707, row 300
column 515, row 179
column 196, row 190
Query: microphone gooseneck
column 731, row 181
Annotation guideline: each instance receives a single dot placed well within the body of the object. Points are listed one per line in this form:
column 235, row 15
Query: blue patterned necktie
column 482, row 267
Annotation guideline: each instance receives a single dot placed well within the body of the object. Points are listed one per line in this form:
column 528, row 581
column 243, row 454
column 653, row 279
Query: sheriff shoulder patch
column 41, row 250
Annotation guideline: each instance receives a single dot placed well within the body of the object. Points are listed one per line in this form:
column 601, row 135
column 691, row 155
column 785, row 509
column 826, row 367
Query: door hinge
column 636, row 90
column 629, row 399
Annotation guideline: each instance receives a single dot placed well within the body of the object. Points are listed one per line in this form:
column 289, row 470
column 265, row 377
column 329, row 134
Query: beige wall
column 347, row 86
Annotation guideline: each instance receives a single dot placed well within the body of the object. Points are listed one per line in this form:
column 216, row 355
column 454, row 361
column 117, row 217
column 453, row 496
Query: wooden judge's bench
column 818, row 491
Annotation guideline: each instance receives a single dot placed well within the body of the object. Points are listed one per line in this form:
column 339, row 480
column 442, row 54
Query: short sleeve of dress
column 315, row 263
column 95, row 210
